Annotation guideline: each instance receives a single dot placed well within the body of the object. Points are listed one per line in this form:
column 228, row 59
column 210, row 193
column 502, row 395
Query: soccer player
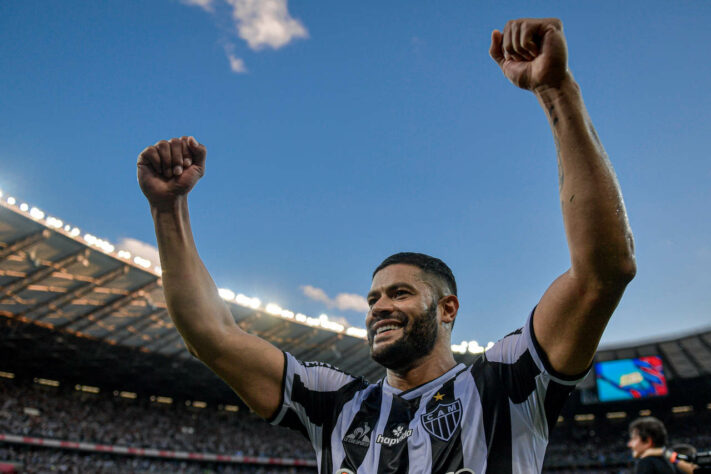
column 429, row 414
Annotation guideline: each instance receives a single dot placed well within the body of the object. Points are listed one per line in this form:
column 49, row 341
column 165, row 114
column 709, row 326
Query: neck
column 438, row 362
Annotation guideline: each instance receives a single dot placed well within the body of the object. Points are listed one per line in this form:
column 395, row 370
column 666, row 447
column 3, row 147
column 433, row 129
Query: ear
column 449, row 305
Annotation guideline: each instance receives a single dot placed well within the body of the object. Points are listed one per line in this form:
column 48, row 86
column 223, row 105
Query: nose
column 383, row 306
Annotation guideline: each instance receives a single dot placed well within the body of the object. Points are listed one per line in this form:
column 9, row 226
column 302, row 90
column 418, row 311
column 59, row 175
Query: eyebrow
column 392, row 287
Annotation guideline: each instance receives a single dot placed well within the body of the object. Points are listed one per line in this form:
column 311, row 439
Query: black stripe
column 393, row 453
column 544, row 357
column 291, row 420
column 281, row 395
column 496, row 416
column 519, row 378
column 322, row 409
column 344, row 395
column 359, row 436
column 443, row 422
column 556, row 396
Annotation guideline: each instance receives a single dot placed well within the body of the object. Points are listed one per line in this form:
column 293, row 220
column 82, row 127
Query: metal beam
column 352, row 349
column 321, row 346
column 295, row 344
column 56, row 303
column 246, row 323
column 103, row 312
column 373, row 374
column 24, row 242
column 166, row 341
column 184, row 348
column 141, row 322
column 274, row 329
column 362, row 364
column 39, row 274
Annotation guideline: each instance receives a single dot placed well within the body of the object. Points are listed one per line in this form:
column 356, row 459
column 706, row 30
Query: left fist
column 531, row 52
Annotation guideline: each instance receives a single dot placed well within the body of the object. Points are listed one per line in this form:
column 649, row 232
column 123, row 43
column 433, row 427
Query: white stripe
column 473, row 438
column 527, row 449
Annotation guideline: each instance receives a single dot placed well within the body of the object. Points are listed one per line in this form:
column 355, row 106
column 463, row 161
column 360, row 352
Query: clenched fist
column 170, row 169
column 531, row 52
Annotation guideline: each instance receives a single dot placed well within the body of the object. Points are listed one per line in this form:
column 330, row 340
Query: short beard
column 415, row 343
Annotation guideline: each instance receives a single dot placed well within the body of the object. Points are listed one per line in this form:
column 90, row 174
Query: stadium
column 95, row 378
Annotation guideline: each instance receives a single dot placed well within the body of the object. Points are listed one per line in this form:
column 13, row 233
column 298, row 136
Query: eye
column 401, row 293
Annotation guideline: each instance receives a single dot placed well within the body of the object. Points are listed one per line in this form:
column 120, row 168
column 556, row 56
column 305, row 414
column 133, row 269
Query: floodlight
column 54, row 222
column 143, row 262
column 474, row 347
column 356, row 332
column 36, row 213
column 333, row 326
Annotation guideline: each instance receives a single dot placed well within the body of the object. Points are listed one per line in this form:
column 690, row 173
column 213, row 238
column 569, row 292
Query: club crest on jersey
column 442, row 421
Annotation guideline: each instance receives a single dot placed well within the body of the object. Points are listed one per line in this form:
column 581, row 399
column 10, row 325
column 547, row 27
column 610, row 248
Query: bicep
column 254, row 369
column 570, row 318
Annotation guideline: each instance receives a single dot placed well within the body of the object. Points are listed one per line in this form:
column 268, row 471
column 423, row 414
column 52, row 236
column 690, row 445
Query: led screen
column 629, row 379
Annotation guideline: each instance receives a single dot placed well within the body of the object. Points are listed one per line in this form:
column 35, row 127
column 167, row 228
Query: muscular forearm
column 596, row 224
column 193, row 301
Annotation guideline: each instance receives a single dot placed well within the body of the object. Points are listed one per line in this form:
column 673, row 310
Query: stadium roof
column 54, row 277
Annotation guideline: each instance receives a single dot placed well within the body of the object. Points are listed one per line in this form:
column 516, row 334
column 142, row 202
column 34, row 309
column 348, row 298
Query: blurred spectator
column 76, row 416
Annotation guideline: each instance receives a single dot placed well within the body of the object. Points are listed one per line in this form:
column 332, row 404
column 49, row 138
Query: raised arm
column 573, row 312
column 167, row 171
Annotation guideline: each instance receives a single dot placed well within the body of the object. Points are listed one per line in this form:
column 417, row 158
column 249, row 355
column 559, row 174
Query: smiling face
column 637, row 444
column 402, row 321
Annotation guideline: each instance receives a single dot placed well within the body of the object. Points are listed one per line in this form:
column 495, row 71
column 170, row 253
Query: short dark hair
column 649, row 427
column 429, row 265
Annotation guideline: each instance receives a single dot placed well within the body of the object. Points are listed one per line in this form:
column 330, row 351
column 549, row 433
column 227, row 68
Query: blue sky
column 339, row 133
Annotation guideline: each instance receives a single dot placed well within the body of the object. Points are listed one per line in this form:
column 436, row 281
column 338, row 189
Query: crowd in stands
column 63, row 413
column 66, row 414
column 42, row 460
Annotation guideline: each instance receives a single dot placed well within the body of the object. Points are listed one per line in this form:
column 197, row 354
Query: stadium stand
column 89, row 360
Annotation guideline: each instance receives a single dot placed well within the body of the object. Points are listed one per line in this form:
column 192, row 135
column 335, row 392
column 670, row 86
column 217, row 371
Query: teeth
column 386, row 328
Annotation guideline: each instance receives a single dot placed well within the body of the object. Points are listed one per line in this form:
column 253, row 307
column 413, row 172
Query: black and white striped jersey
column 492, row 416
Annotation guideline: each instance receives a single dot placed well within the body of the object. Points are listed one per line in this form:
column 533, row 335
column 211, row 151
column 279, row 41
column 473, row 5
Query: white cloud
column 342, row 301
column 263, row 23
column 206, row 5
column 236, row 64
column 140, row 249
column 260, row 23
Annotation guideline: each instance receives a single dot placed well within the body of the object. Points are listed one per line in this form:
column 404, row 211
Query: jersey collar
column 425, row 387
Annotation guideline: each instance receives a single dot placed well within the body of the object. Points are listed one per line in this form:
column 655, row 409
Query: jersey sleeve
column 535, row 390
column 310, row 396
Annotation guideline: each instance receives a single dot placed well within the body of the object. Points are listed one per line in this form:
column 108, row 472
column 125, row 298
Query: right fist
column 170, row 169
